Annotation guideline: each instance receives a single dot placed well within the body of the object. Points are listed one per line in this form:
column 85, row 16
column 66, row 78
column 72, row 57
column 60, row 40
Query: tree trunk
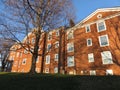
column 43, row 54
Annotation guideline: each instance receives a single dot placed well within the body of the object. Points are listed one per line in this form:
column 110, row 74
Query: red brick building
column 92, row 47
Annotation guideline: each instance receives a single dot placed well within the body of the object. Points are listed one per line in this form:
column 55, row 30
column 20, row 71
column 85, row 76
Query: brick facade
column 92, row 47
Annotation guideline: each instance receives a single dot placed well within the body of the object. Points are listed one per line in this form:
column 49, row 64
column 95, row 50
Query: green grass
column 15, row 81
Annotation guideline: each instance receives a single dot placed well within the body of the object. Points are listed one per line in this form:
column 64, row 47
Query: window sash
column 104, row 40
column 56, row 57
column 106, row 57
column 89, row 42
column 48, row 59
column 70, row 47
column 91, row 57
column 101, row 26
column 70, row 61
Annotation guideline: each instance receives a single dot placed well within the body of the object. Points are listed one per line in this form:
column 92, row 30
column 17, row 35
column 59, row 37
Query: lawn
column 15, row 81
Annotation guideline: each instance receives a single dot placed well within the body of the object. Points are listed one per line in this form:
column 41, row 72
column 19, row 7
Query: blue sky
column 86, row 7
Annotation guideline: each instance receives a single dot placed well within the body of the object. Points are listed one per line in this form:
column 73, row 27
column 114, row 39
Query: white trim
column 81, row 25
column 100, row 40
column 90, row 41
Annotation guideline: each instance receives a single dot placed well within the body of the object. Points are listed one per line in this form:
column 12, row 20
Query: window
column 70, row 34
column 56, row 44
column 101, row 26
column 70, row 61
column 106, row 57
column 48, row 59
column 46, row 70
column 48, row 47
column 56, row 70
column 87, row 29
column 91, row 57
column 89, row 42
column 50, row 36
column 24, row 61
column 56, row 57
column 57, row 33
column 103, row 40
column 33, row 40
column 92, row 72
column 109, row 72
column 70, row 47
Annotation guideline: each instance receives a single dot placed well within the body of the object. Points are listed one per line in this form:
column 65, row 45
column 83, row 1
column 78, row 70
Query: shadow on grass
column 18, row 81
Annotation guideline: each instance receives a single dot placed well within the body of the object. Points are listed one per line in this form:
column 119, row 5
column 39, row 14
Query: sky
column 85, row 7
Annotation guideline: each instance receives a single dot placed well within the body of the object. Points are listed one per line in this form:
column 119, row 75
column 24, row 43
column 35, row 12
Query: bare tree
column 21, row 16
column 5, row 45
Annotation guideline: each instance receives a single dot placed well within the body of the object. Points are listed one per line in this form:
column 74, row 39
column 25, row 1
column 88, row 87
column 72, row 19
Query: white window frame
column 24, row 60
column 92, row 72
column 106, row 59
column 56, row 59
column 90, row 41
column 70, row 32
column 109, row 72
column 98, row 26
column 56, row 44
column 91, row 57
column 47, row 61
column 87, row 27
column 101, row 41
column 56, row 70
column 46, row 70
column 48, row 49
column 50, row 36
column 57, row 33
column 70, row 60
column 70, row 45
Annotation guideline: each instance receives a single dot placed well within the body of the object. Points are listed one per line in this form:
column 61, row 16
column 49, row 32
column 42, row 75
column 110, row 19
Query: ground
column 15, row 81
